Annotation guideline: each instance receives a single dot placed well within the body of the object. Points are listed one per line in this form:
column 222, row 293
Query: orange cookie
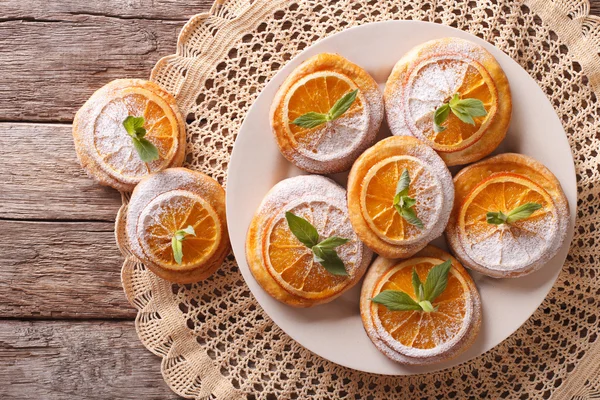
column 105, row 148
column 439, row 332
column 380, row 215
column 428, row 78
column 178, row 205
column 287, row 268
column 510, row 216
column 332, row 141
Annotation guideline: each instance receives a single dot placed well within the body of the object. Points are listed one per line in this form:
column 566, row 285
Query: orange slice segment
column 318, row 92
column 291, row 263
column 114, row 147
column 170, row 212
column 418, row 329
column 507, row 246
column 377, row 199
column 433, row 83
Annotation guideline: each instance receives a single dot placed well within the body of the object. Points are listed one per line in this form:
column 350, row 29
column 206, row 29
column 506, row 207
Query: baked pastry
column 393, row 218
column 434, row 326
column 287, row 264
column 326, row 112
column 510, row 216
column 176, row 224
column 453, row 95
column 128, row 129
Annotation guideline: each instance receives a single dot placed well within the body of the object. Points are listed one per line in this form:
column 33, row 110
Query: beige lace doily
column 217, row 343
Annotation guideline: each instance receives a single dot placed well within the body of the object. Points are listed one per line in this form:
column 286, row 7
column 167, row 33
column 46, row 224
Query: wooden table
column 66, row 329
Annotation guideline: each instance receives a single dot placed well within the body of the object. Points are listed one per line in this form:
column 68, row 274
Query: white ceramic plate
column 335, row 331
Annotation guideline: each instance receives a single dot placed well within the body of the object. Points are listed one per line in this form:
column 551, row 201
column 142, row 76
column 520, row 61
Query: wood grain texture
column 60, row 270
column 52, row 60
column 42, row 179
column 178, row 10
column 87, row 360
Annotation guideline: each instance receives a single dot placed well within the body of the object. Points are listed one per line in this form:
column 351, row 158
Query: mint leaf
column 342, row 105
column 145, row 149
column 437, row 280
column 323, row 252
column 410, row 216
column 176, row 242
column 333, row 242
column 417, row 285
column 396, row 300
column 304, row 231
column 403, row 203
column 427, row 306
column 135, row 126
column 329, row 259
column 310, row 120
column 464, row 109
column 522, row 212
column 313, row 119
column 440, row 116
column 496, row 218
column 403, row 183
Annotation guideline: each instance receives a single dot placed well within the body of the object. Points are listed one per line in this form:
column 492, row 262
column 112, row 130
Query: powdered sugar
column 423, row 80
column 323, row 203
column 169, row 180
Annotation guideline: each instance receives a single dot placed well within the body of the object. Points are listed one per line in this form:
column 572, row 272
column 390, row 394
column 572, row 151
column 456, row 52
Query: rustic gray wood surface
column 66, row 329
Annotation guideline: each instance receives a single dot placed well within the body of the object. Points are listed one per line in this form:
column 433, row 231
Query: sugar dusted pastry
column 128, row 129
column 300, row 245
column 326, row 113
column 414, row 321
column 400, row 195
column 453, row 95
column 176, row 224
column 510, row 216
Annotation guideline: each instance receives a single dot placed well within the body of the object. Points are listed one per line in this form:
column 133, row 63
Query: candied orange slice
column 291, row 263
column 419, row 329
column 379, row 190
column 434, row 82
column 507, row 246
column 318, row 92
column 173, row 211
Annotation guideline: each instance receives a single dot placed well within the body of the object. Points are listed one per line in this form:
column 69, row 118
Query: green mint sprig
column 521, row 212
column 313, row 119
column 404, row 204
column 323, row 252
column 435, row 284
column 177, row 242
column 145, row 149
column 464, row 109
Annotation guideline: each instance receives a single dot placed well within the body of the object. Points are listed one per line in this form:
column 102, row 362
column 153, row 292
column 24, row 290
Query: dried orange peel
column 315, row 86
column 105, row 149
column 282, row 265
column 169, row 201
column 501, row 184
column 420, row 337
column 429, row 76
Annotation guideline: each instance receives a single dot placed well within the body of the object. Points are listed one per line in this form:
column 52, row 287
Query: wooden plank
column 42, row 179
column 595, row 7
column 60, row 270
column 180, row 10
column 51, row 66
column 64, row 360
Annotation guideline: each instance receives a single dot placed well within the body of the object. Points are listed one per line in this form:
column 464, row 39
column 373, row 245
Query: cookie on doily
column 453, row 95
column 326, row 112
column 300, row 245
